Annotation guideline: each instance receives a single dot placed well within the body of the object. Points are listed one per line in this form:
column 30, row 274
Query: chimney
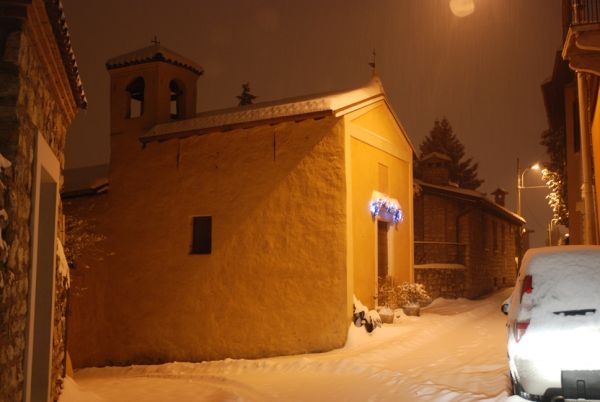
column 499, row 196
column 435, row 168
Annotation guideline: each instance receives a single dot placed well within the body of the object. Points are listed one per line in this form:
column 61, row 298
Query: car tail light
column 527, row 285
column 520, row 329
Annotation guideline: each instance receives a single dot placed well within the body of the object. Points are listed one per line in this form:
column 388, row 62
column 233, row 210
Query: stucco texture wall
column 596, row 160
column 573, row 159
column 275, row 282
column 380, row 159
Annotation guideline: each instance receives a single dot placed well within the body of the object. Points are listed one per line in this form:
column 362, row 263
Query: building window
column 176, row 99
column 202, row 235
column 136, row 98
column 383, row 178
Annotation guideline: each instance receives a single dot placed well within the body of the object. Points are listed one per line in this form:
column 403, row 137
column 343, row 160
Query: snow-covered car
column 554, row 324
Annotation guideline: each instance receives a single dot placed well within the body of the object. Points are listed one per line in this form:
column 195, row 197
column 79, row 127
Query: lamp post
column 520, row 186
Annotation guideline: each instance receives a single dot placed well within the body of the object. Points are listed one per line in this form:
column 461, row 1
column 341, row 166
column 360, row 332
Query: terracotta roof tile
column 151, row 54
column 58, row 20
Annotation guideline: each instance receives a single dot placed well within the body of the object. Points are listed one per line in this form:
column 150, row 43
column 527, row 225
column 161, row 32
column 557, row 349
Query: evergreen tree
column 246, row 98
column 555, row 175
column 443, row 140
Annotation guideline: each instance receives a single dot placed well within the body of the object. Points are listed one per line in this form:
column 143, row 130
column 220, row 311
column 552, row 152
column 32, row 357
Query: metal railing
column 430, row 252
column 585, row 12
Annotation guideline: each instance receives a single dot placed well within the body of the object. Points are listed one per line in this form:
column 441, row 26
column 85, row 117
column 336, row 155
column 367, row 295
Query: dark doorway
column 382, row 249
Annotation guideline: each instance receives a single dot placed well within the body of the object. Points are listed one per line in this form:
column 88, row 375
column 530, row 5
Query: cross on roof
column 155, row 41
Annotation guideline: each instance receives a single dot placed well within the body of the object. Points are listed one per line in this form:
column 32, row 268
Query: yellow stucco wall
column 573, row 168
column 275, row 282
column 374, row 138
column 596, row 160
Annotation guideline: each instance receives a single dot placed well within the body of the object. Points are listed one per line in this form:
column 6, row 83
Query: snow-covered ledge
column 63, row 266
column 436, row 265
column 385, row 208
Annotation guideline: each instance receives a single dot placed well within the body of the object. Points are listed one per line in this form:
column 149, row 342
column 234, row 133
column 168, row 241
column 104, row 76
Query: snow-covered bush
column 363, row 316
column 80, row 238
column 412, row 294
column 393, row 296
column 387, row 295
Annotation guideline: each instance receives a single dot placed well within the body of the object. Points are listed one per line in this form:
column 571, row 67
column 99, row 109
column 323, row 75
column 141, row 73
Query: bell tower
column 149, row 86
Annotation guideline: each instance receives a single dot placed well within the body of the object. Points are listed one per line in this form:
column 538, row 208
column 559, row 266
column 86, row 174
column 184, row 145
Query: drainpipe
column 587, row 190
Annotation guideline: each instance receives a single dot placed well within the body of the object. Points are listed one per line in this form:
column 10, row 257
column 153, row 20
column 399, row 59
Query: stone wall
column 59, row 331
column 442, row 282
column 18, row 149
column 491, row 257
column 27, row 105
column 486, row 244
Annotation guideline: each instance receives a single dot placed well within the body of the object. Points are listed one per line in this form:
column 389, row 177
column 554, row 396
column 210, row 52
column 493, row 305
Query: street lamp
column 520, row 186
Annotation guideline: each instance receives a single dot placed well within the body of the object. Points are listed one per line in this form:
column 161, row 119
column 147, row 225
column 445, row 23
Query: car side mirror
column 505, row 307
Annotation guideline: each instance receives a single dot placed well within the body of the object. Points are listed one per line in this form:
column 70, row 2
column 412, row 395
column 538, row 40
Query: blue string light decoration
column 387, row 209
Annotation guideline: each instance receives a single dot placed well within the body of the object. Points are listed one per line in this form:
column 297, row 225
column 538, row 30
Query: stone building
column 40, row 93
column 241, row 232
column 465, row 244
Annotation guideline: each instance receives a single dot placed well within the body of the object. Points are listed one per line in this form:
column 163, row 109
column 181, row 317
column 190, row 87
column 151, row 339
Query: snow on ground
column 454, row 352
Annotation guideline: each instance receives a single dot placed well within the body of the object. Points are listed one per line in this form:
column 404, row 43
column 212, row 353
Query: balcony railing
column 585, row 12
column 430, row 252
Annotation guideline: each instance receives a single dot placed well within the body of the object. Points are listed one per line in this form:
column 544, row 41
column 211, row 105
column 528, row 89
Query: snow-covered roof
column 475, row 195
column 151, row 54
column 438, row 155
column 88, row 180
column 312, row 106
column 440, row 265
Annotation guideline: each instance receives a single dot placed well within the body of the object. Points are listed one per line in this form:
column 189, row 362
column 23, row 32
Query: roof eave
column 147, row 138
column 480, row 197
column 57, row 18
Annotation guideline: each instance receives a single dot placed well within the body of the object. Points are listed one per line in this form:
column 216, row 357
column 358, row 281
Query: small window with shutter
column 202, row 235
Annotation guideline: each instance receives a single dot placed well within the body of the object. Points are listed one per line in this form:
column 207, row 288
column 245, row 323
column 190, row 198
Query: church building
column 242, row 232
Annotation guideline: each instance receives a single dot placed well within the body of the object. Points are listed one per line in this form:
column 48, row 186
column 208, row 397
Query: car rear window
column 565, row 284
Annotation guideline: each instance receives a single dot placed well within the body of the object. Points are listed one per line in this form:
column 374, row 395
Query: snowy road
column 454, row 352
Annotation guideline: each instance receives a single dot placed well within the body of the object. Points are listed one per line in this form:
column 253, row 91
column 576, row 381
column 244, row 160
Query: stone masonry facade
column 465, row 245
column 30, row 102
column 440, row 282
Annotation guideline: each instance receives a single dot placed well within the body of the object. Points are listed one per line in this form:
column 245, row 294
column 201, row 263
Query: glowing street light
column 520, row 179
column 462, row 8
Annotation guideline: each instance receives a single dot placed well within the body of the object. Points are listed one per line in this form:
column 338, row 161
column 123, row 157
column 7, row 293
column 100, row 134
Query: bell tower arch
column 150, row 86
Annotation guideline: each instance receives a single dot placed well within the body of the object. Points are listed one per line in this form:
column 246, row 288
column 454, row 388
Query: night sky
column 483, row 72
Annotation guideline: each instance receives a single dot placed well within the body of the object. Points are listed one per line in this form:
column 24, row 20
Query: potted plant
column 407, row 296
column 410, row 297
column 387, row 299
